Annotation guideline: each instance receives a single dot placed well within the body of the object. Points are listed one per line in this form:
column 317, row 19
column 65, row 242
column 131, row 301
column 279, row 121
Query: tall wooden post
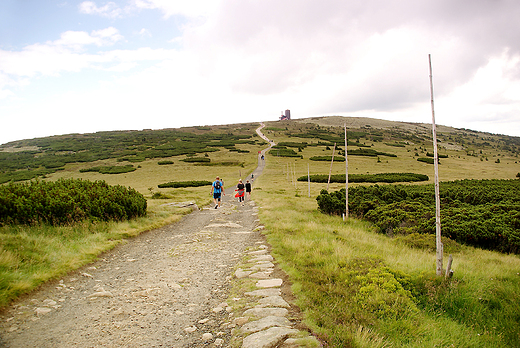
column 309, row 178
column 331, row 163
column 436, row 166
column 346, row 175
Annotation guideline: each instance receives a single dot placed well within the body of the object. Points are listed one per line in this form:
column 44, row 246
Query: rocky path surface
column 165, row 288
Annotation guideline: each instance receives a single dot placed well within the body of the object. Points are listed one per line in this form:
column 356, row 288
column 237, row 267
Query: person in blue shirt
column 217, row 189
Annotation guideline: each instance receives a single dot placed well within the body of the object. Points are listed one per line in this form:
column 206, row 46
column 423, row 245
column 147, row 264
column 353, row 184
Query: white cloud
column 53, row 57
column 110, row 10
column 192, row 8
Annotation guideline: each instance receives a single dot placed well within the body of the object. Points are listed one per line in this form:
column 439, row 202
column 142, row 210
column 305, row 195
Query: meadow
column 33, row 254
column 355, row 287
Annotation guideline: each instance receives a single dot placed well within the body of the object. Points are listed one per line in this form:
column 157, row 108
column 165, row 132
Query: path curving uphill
column 165, row 288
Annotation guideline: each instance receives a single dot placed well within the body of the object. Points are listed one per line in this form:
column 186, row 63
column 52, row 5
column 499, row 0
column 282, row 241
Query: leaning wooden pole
column 331, row 163
column 436, row 166
column 346, row 175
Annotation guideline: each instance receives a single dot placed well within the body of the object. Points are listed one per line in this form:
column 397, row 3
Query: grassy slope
column 32, row 255
column 318, row 251
column 478, row 308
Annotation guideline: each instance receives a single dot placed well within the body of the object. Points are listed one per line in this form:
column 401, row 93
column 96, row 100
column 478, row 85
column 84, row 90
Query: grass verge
column 362, row 289
column 32, row 255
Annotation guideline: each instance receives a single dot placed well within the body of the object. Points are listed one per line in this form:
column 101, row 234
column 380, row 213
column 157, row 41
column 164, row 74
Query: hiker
column 217, row 189
column 248, row 189
column 240, row 193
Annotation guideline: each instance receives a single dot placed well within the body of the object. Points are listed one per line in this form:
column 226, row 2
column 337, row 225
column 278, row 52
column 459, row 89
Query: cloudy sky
column 87, row 66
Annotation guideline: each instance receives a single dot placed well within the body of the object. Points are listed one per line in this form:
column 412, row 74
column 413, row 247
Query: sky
column 89, row 66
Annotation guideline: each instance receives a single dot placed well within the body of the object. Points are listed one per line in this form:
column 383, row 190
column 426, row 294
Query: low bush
column 162, row 163
column 110, row 169
column 373, row 178
column 481, row 213
column 283, row 152
column 327, row 158
column 67, row 201
column 177, row 184
column 196, row 160
column 430, row 154
column 370, row 153
column 428, row 160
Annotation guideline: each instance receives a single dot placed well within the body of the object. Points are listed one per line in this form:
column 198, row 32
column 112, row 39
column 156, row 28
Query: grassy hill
column 356, row 288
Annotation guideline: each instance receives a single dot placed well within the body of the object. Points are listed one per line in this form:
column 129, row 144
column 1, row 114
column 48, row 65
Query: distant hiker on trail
column 240, row 193
column 248, row 188
column 217, row 189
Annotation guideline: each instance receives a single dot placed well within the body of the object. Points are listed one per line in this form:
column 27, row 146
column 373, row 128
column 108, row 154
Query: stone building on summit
column 286, row 116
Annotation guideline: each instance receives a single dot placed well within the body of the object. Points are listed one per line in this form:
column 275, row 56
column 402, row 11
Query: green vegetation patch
column 481, row 213
column 66, row 201
column 175, row 184
column 369, row 153
column 327, row 158
column 196, row 160
column 431, row 154
column 283, row 152
column 372, row 178
column 162, row 163
column 110, row 169
column 428, row 160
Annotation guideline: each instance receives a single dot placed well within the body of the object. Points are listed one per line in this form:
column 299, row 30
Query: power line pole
column 346, row 175
column 436, row 166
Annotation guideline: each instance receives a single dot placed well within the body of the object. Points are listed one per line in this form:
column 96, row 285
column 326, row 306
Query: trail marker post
column 331, row 163
column 436, row 166
column 346, row 175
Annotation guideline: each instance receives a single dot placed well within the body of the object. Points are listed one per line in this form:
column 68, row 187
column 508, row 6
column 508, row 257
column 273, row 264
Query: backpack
column 217, row 185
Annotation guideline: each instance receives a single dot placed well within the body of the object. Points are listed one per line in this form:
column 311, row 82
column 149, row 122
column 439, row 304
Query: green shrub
column 370, row 153
column 373, row 178
column 66, row 201
column 327, row 158
column 197, row 160
column 481, row 213
column 283, row 152
column 177, row 184
column 428, row 160
column 430, row 154
column 110, row 169
column 162, row 163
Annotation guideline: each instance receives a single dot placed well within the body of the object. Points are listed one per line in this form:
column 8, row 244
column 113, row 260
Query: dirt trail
column 159, row 289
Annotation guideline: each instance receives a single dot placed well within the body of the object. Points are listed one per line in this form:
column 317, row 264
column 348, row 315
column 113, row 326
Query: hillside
column 31, row 158
column 357, row 284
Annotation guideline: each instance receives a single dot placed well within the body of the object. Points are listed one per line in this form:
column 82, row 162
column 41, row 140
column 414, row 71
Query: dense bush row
column 196, row 159
column 66, row 201
column 369, row 153
column 372, row 178
column 176, row 184
column 110, row 169
column 283, row 152
column 327, row 158
column 482, row 213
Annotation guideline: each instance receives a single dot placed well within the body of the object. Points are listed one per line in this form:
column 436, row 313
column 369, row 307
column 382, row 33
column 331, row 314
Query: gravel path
column 164, row 288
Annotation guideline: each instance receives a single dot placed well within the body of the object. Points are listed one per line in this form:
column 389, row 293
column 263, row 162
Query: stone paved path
column 165, row 288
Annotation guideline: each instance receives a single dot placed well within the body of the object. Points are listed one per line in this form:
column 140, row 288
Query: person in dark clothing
column 248, row 189
column 241, row 192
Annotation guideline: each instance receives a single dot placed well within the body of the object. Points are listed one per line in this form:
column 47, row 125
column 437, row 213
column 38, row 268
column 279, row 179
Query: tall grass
column 361, row 289
column 32, row 255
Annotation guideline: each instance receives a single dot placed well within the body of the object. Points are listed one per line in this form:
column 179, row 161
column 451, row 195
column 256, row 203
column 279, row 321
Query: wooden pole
column 449, row 272
column 436, row 166
column 331, row 163
column 346, row 175
column 309, row 178
column 294, row 176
